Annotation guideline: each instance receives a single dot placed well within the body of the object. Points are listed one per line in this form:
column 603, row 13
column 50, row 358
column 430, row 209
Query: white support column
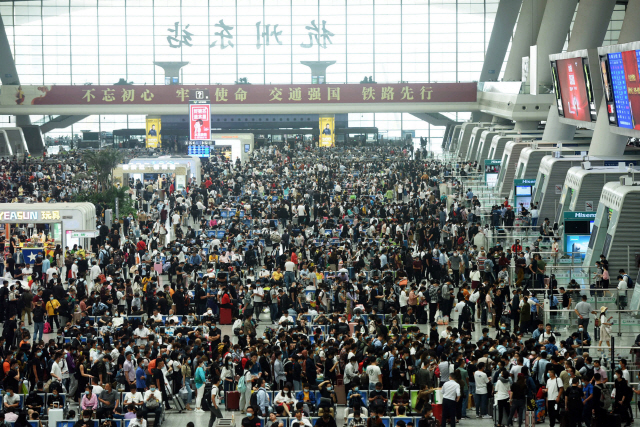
column 506, row 17
column 525, row 36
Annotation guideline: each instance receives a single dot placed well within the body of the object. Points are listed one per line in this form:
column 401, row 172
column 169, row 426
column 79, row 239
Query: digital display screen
column 621, row 84
column 573, row 89
column 199, row 150
column 523, row 190
column 577, row 244
column 576, row 227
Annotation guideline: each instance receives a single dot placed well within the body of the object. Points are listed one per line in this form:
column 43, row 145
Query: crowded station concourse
column 309, row 283
column 435, row 227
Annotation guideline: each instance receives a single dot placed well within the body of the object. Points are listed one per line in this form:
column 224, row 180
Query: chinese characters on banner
column 327, row 131
column 200, row 121
column 153, row 133
column 242, row 94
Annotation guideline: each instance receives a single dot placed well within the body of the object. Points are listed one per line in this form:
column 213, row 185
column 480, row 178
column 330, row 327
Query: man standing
column 481, row 391
column 553, row 390
column 450, row 395
column 583, row 309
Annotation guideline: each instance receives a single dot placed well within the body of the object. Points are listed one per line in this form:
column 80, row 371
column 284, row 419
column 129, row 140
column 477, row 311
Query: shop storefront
column 61, row 221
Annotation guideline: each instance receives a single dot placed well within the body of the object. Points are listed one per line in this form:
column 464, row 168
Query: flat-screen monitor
column 575, row 245
column 523, row 190
column 199, row 150
column 577, row 227
column 572, row 86
column 621, row 86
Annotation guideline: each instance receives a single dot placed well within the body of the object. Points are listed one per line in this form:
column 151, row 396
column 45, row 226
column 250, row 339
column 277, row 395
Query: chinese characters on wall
column 318, row 35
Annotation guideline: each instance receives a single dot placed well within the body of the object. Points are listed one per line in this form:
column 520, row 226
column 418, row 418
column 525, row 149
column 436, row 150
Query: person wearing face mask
column 350, row 372
column 622, row 395
column 554, row 391
column 153, row 403
column 52, row 312
column 85, row 419
column 89, row 400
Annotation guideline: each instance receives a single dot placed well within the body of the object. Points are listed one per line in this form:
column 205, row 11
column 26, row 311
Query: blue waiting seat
column 407, row 420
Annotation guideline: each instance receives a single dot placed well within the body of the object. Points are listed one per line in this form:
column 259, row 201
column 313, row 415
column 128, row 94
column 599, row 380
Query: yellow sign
column 327, row 131
column 153, row 133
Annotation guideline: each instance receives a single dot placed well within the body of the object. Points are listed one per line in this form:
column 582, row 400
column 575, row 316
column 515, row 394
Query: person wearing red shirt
column 141, row 246
column 294, row 257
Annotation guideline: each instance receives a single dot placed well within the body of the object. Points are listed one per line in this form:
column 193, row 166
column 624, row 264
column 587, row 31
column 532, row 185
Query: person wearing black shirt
column 252, row 421
column 158, row 379
column 326, row 420
column 9, row 332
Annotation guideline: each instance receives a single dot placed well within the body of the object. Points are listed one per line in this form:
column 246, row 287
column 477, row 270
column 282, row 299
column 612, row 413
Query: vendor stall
column 58, row 220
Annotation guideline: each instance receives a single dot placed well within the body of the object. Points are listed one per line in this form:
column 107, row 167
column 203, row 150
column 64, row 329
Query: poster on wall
column 154, row 127
column 200, row 121
column 327, row 131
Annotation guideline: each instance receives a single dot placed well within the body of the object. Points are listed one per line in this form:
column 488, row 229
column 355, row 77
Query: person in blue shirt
column 551, row 347
column 262, row 397
column 141, row 384
column 307, row 396
column 538, row 331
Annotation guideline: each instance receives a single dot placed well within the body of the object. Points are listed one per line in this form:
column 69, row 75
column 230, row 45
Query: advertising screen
column 200, row 121
column 577, row 244
column 573, row 89
column 621, row 84
column 523, row 190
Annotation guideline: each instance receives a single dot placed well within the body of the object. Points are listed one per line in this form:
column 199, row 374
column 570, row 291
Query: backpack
column 630, row 282
column 254, row 402
column 466, row 314
column 154, row 244
column 242, row 385
column 605, row 397
column 589, row 374
column 573, row 395
column 47, row 330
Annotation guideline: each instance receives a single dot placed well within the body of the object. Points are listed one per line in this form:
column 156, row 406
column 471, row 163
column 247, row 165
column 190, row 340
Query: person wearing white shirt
column 139, row 420
column 554, row 390
column 450, row 395
column 503, row 386
column 51, row 271
column 141, row 334
column 482, row 398
column 74, row 270
column 134, row 397
column 286, row 318
column 93, row 273
column 404, row 299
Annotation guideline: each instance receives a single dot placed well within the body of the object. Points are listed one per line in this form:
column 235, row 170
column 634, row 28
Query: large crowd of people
column 362, row 274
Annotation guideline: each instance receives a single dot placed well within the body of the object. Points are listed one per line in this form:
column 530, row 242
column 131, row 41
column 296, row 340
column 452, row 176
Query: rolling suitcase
column 437, row 411
column 529, row 418
column 177, row 402
column 541, row 411
column 232, row 401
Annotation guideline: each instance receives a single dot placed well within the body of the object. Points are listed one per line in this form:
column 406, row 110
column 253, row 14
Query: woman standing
column 228, row 374
column 199, row 380
column 605, row 328
column 226, row 313
column 517, row 398
column 503, row 386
